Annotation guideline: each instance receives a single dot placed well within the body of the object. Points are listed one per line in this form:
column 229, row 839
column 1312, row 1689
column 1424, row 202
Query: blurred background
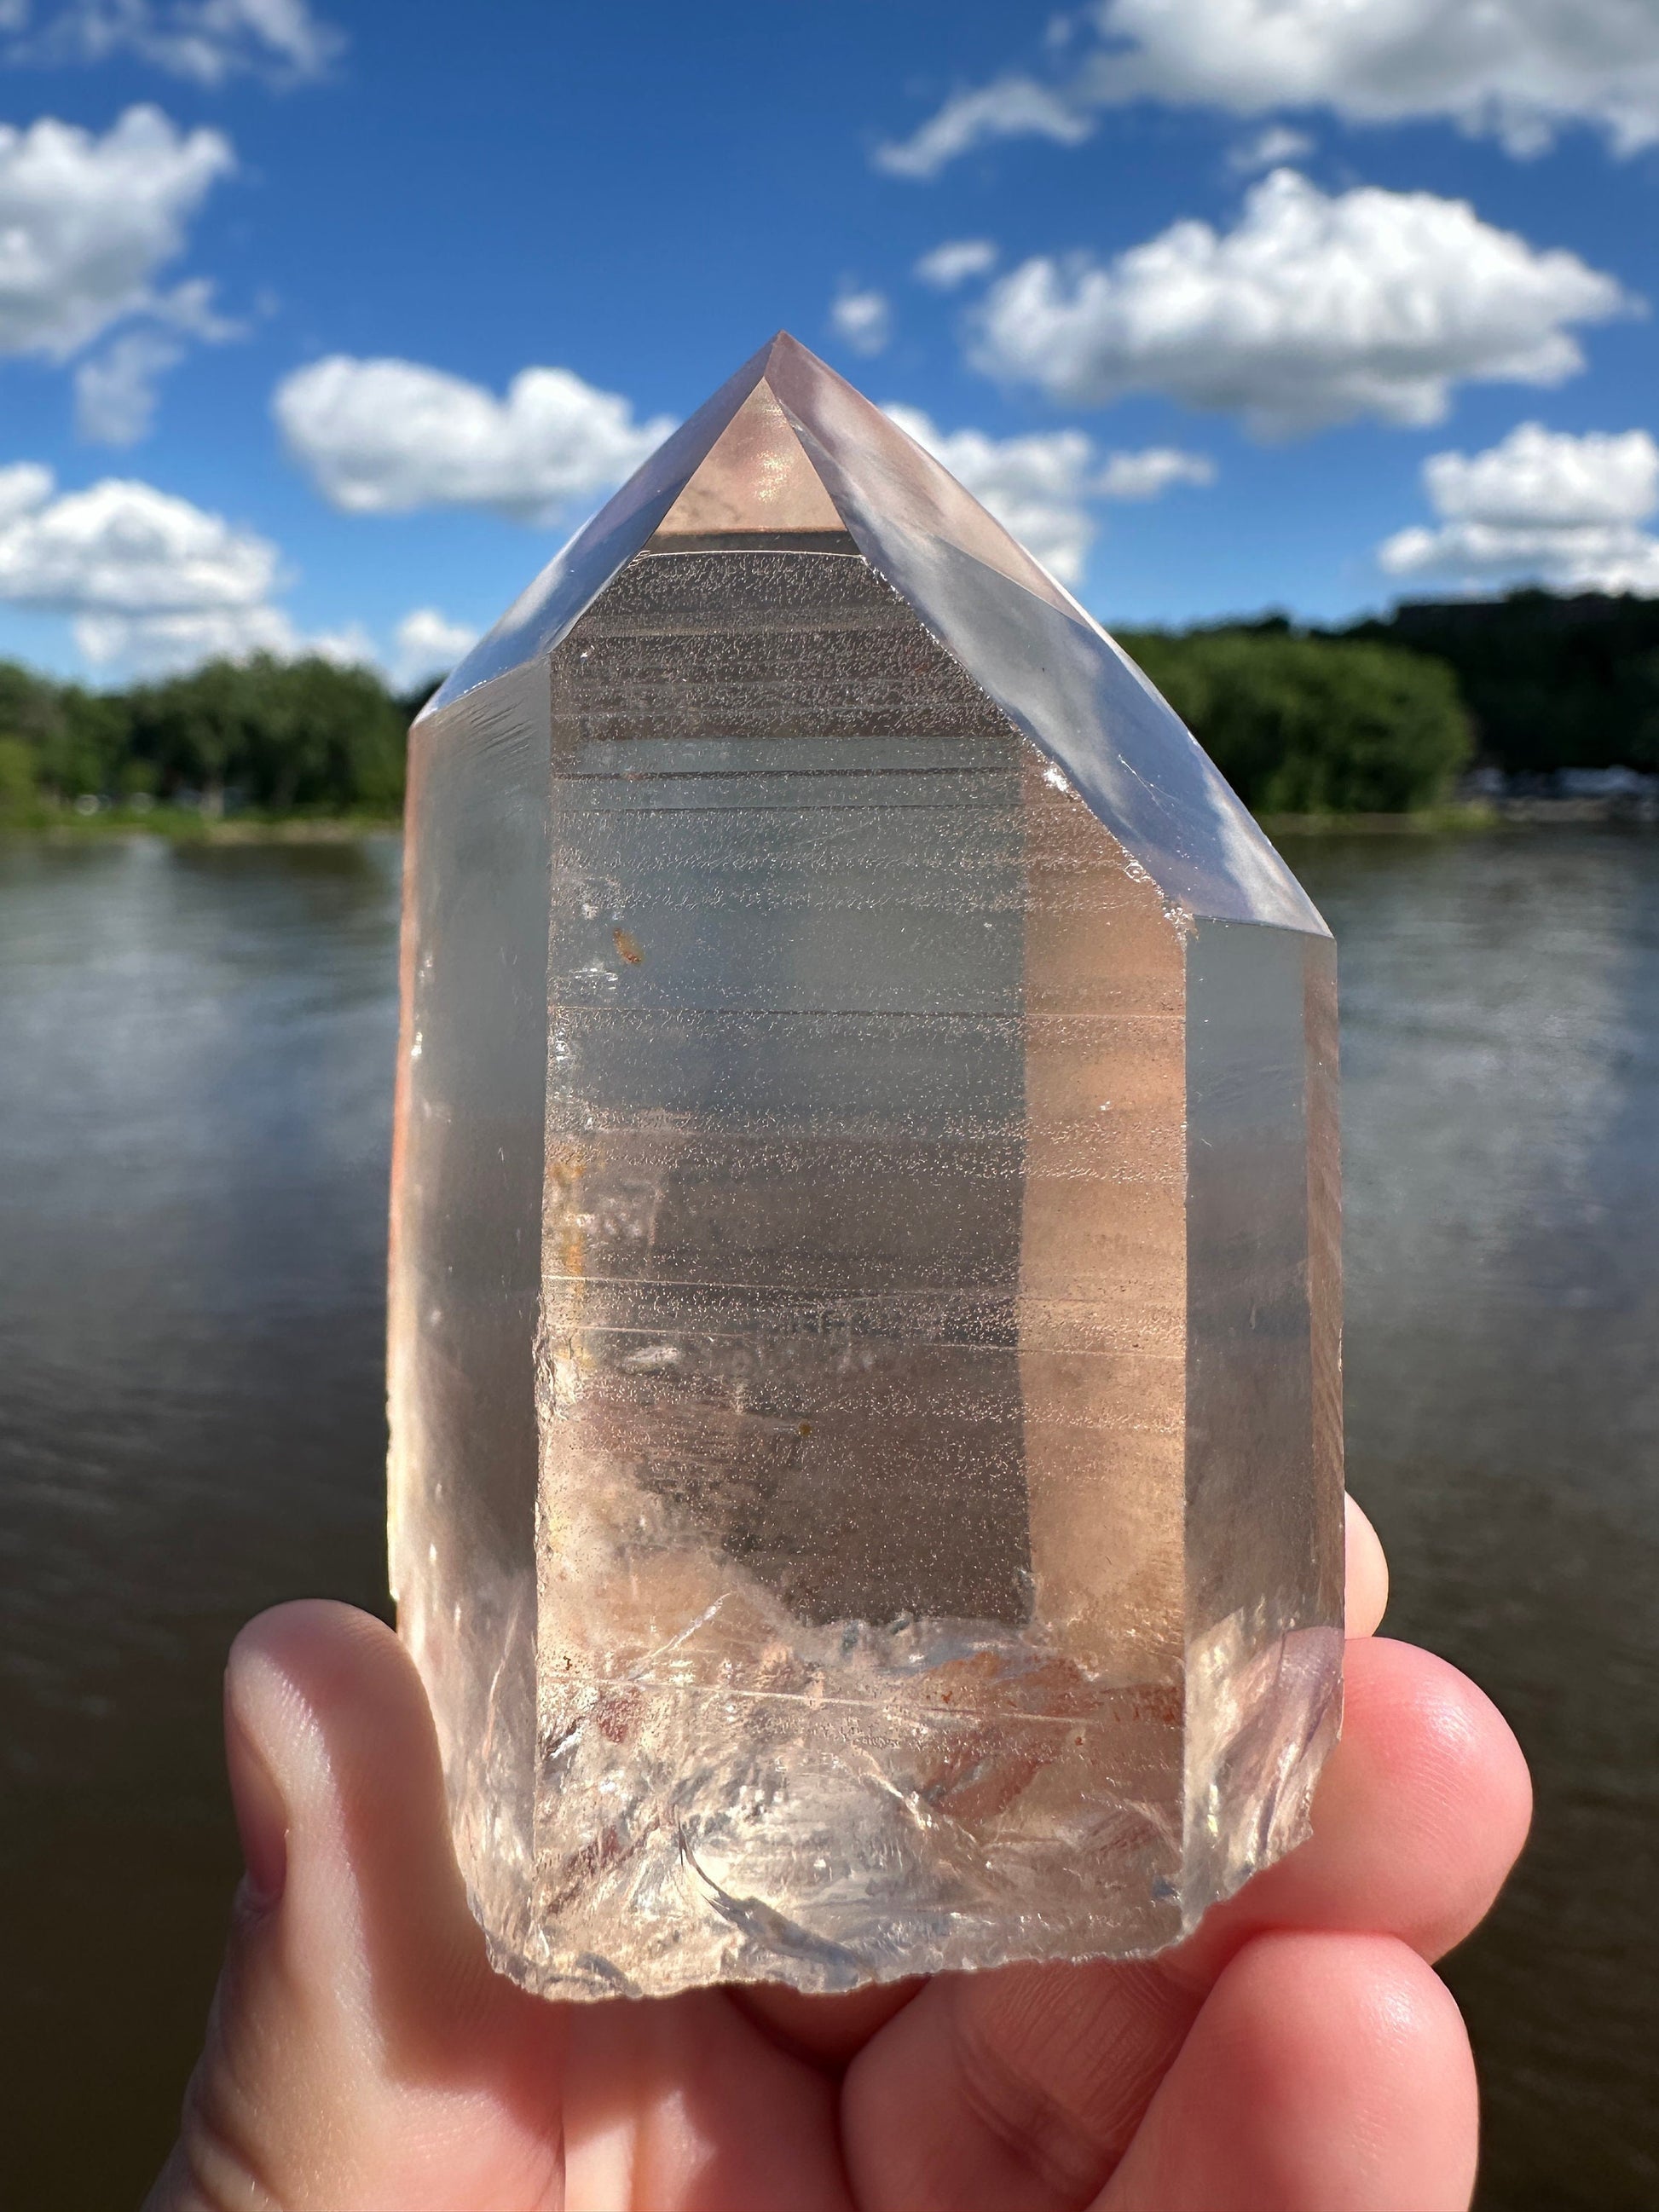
column 1309, row 347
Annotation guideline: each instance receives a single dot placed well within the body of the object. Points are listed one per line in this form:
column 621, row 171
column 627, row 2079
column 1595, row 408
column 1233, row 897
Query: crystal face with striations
column 866, row 1469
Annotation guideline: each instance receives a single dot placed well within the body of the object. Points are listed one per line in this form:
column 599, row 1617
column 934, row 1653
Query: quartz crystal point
column 865, row 1462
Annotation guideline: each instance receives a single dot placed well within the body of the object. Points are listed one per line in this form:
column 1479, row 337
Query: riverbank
column 1427, row 821
column 1642, row 811
column 185, row 825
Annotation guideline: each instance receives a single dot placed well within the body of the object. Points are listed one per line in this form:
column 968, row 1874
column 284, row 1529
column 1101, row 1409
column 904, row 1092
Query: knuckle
column 1032, row 2129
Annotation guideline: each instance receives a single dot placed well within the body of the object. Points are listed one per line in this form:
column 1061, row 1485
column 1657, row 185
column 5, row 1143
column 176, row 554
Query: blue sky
column 1258, row 303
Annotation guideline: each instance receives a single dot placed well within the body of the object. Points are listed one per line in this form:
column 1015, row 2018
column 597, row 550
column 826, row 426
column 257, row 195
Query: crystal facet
column 865, row 1469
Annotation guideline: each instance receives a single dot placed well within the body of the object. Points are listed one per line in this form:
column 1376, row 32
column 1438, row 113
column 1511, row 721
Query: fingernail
column 261, row 1814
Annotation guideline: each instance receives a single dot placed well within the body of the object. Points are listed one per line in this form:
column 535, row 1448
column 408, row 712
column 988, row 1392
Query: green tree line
column 1302, row 725
column 282, row 737
column 1379, row 718
column 1299, row 726
column 1549, row 681
column 1383, row 714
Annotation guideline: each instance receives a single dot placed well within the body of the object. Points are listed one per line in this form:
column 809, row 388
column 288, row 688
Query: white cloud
column 1314, row 309
column 349, row 647
column 86, row 223
column 428, row 644
column 1144, row 475
column 152, row 644
column 146, row 578
column 955, row 262
column 150, row 582
column 1538, row 475
column 205, row 40
column 115, row 392
column 1518, row 70
column 124, row 547
column 1039, row 486
column 1269, row 150
column 24, row 485
column 189, row 307
column 1036, row 486
column 386, row 437
column 1012, row 107
column 1560, row 510
column 863, row 320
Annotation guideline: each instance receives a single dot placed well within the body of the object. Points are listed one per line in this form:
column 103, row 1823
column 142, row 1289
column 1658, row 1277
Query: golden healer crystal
column 865, row 1424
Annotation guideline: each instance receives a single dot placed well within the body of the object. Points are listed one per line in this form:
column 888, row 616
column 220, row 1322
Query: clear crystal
column 865, row 1467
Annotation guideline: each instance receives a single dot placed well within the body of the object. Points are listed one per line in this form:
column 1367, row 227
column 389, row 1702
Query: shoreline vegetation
column 1454, row 715
column 188, row 826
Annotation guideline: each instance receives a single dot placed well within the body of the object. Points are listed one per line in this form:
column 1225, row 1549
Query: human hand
column 1295, row 2055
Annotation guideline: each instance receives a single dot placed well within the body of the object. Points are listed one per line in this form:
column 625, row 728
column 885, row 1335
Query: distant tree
column 283, row 734
column 28, row 703
column 18, row 766
column 93, row 749
column 30, row 724
column 1549, row 683
column 1307, row 725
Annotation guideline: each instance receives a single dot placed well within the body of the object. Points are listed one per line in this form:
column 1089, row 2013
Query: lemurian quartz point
column 866, row 1490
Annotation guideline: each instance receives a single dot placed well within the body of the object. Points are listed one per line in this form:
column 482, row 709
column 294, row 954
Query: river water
column 196, row 1048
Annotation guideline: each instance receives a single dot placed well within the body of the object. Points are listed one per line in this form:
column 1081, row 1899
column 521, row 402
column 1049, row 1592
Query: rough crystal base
column 865, row 1471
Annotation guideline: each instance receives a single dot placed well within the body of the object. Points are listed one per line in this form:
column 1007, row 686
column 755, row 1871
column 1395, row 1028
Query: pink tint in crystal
column 866, row 1469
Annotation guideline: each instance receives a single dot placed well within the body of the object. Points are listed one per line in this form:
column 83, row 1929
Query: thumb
column 361, row 2055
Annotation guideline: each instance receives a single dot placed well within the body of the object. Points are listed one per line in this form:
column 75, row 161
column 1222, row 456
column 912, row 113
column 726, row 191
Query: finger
column 360, row 2054
column 1419, row 1814
column 1368, row 1574
column 1024, row 2087
column 1324, row 2074
column 1019, row 2088
column 685, row 2104
column 828, row 2031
